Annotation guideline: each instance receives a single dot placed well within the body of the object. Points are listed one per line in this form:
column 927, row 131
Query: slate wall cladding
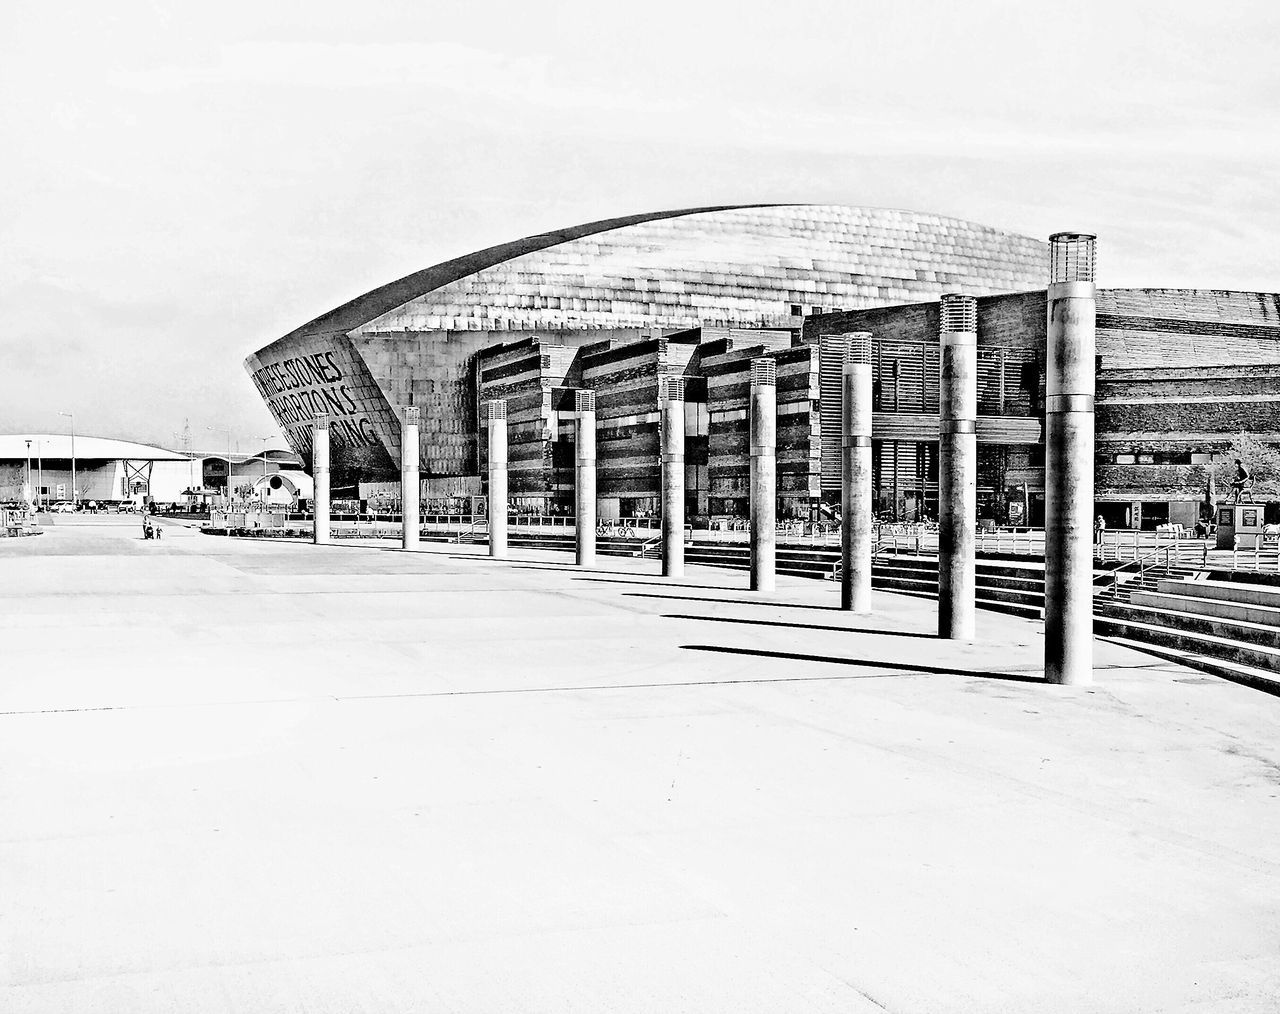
column 728, row 390
column 739, row 267
column 904, row 367
column 1182, row 371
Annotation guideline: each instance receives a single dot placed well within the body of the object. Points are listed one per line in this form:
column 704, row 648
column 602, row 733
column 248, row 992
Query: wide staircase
column 1224, row 623
column 1002, row 586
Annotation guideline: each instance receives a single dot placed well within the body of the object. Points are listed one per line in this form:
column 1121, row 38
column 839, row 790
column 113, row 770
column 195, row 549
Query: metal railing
column 1116, row 542
column 1263, row 545
column 879, row 547
column 1177, row 553
column 469, row 533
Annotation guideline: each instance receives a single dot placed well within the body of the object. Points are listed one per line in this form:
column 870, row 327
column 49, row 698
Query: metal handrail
column 1141, row 564
column 470, row 530
column 878, row 546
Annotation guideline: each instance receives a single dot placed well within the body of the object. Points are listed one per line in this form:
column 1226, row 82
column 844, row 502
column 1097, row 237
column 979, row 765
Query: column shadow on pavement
column 869, row 663
column 729, row 602
column 570, row 568
column 801, row 626
column 659, row 584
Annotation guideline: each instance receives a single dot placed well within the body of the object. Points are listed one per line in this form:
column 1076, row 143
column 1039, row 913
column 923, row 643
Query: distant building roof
column 58, row 445
column 276, row 454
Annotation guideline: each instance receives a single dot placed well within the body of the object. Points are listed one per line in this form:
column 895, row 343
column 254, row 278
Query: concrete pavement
column 264, row 776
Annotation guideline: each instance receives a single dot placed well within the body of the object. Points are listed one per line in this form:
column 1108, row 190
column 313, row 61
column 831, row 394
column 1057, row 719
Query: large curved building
column 418, row 340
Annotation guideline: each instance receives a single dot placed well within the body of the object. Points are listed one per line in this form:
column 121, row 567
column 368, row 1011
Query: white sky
column 183, row 183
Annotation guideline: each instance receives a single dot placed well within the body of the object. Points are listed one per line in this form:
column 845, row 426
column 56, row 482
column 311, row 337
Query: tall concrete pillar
column 1069, row 391
column 320, row 474
column 957, row 467
column 496, row 413
column 673, row 477
column 584, row 487
column 410, row 485
column 855, row 528
column 764, row 473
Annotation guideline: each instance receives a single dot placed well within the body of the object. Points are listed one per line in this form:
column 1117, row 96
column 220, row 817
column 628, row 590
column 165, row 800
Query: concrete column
column 584, row 487
column 320, row 474
column 957, row 467
column 855, row 529
column 1069, row 391
column 673, row 477
column 497, row 415
column 764, row 473
column 410, row 485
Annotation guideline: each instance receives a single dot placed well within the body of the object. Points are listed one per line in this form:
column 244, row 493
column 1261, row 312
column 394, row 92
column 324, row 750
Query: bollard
column 410, row 486
column 320, row 534
column 1069, row 430
column 855, row 531
column 764, row 473
column 958, row 467
column 585, row 477
column 496, row 414
column 673, row 477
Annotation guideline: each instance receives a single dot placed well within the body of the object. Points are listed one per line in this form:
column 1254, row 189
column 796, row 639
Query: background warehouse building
column 108, row 470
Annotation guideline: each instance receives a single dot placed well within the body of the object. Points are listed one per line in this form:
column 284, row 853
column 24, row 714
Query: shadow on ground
column 869, row 663
column 800, row 626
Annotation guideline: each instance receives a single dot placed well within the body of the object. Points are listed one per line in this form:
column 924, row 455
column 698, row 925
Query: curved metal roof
column 725, row 264
column 58, row 445
column 385, row 298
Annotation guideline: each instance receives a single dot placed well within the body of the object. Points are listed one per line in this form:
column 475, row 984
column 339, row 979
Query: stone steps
column 1228, row 591
column 1226, row 609
column 1184, row 621
column 1178, row 630
column 1237, row 672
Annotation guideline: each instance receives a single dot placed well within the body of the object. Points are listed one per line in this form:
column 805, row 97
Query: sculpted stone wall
column 324, row 374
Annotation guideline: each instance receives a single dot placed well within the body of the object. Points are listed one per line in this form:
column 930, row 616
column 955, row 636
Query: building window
column 797, row 310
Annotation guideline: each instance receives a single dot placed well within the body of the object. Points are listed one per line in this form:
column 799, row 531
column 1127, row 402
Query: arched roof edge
column 385, row 298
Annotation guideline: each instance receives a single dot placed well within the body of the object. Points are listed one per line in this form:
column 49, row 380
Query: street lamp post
column 264, row 465
column 75, row 497
column 40, row 471
column 27, row 484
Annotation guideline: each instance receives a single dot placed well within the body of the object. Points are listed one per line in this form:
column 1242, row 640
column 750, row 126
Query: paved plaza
column 263, row 776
